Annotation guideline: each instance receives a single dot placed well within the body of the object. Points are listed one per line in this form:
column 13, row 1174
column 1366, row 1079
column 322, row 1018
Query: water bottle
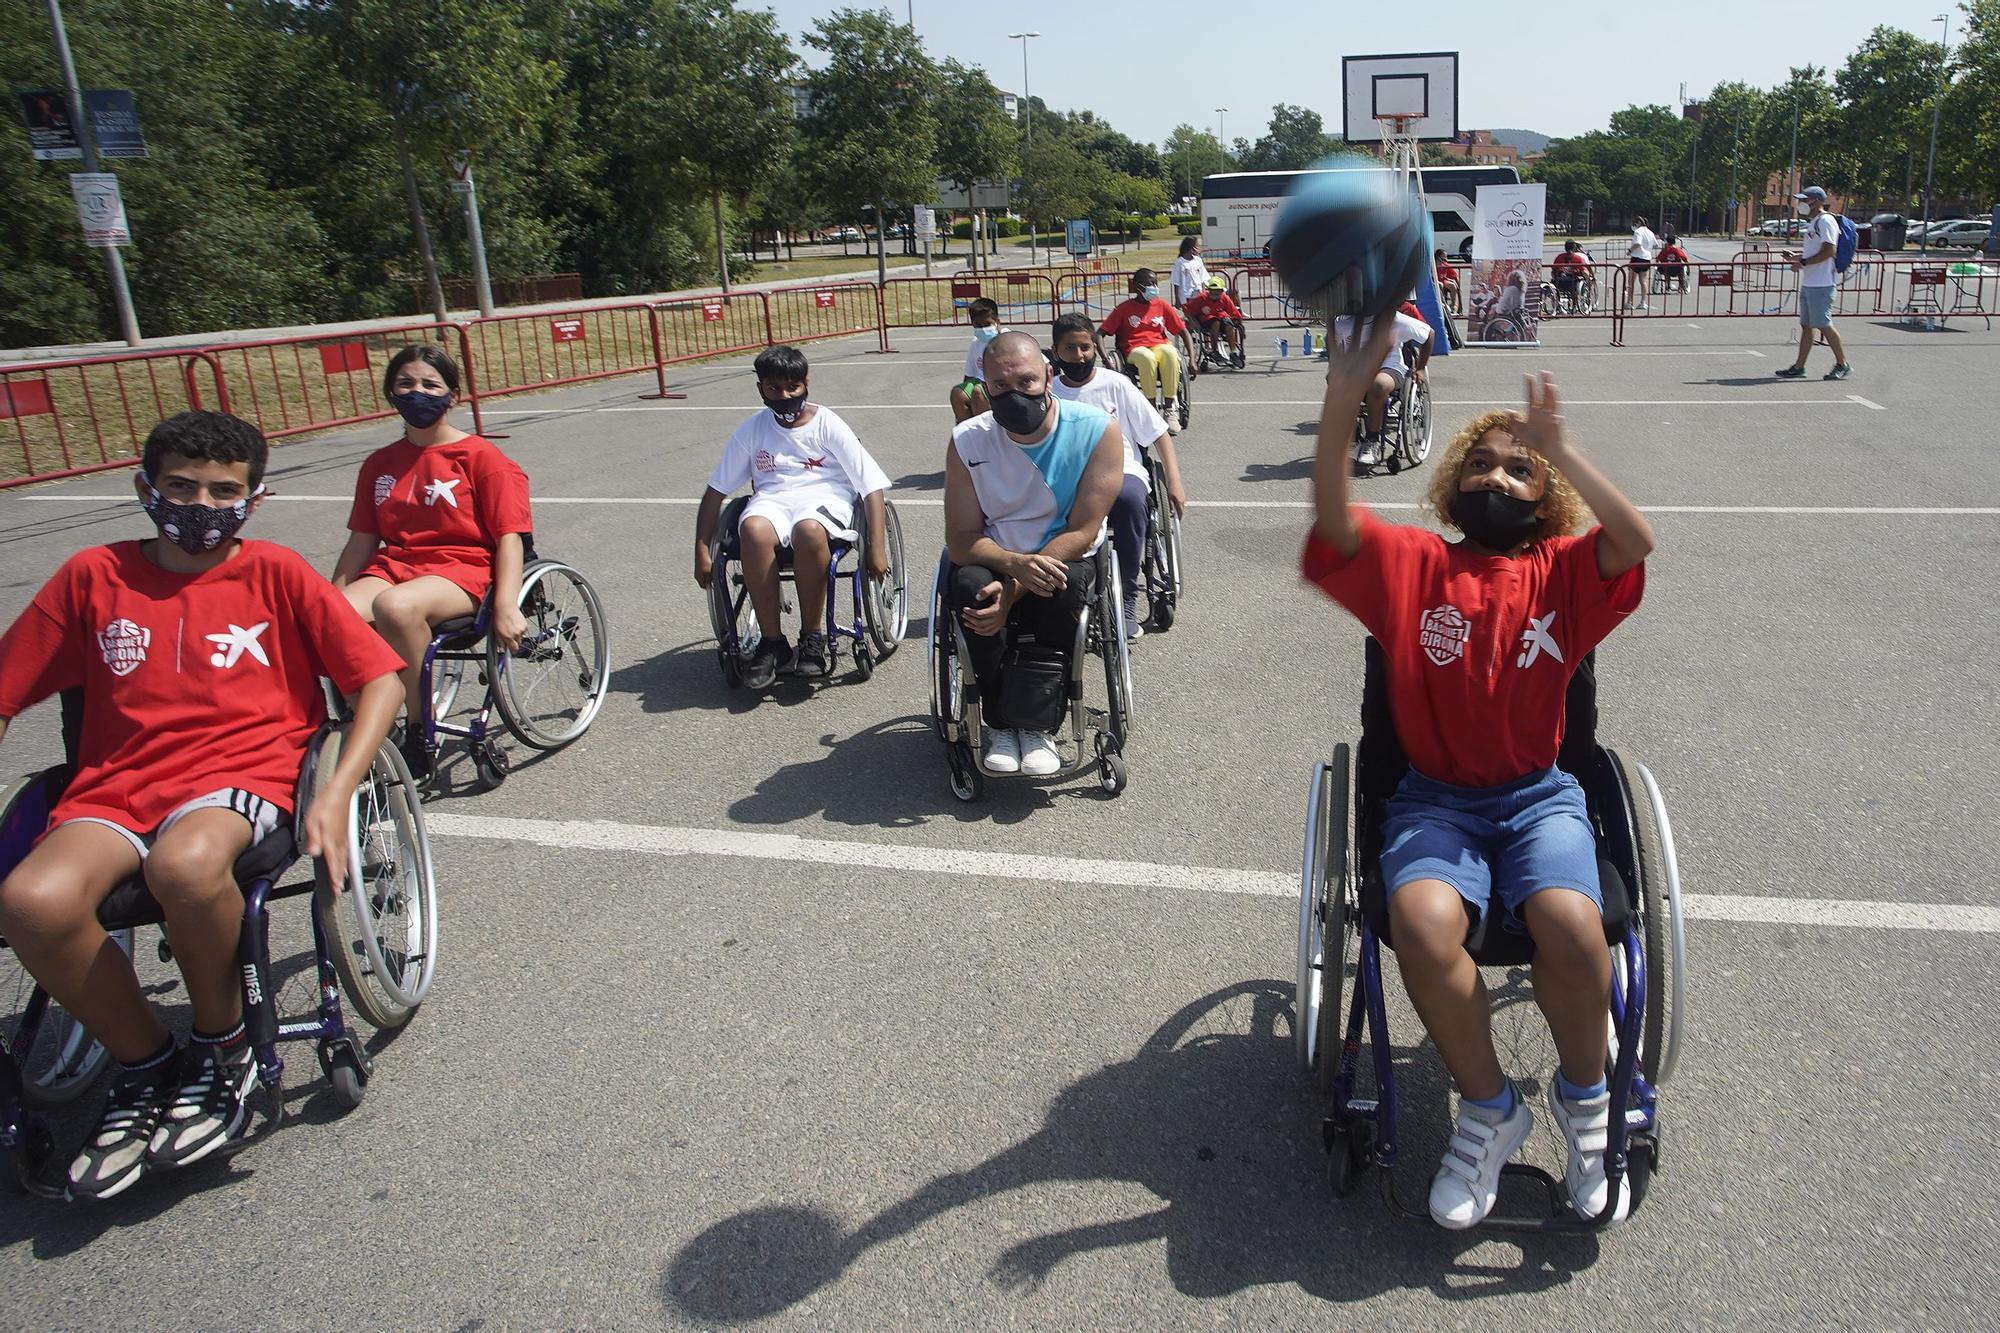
column 1284, row 347
column 1306, row 343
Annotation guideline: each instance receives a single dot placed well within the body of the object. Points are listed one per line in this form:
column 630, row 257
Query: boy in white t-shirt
column 805, row 468
column 1080, row 379
column 1389, row 379
column 968, row 396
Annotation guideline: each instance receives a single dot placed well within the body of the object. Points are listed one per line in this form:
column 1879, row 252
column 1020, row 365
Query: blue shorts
column 1816, row 307
column 1506, row 842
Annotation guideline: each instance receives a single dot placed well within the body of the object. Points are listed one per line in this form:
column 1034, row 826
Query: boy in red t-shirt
column 1447, row 278
column 439, row 518
column 1480, row 638
column 198, row 660
column 1215, row 312
column 1139, row 326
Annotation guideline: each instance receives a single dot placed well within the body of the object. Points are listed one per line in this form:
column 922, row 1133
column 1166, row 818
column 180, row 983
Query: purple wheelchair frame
column 730, row 648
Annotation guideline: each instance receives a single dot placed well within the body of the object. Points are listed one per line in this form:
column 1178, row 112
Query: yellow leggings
column 1159, row 372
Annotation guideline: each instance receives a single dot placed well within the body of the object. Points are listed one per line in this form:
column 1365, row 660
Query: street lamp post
column 1930, row 166
column 1028, row 125
column 86, row 138
column 1220, row 141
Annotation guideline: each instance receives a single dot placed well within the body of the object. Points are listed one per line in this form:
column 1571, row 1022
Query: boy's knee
column 1428, row 921
column 401, row 607
column 192, row 871
column 1567, row 927
column 809, row 536
column 39, row 902
column 757, row 533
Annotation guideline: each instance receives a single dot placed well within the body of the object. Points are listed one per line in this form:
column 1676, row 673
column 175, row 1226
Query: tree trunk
column 721, row 243
column 422, row 232
column 881, row 243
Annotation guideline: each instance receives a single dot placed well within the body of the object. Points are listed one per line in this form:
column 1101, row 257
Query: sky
column 1146, row 66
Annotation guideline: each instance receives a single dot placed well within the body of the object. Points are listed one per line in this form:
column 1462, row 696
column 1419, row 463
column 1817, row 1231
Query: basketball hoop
column 1399, row 143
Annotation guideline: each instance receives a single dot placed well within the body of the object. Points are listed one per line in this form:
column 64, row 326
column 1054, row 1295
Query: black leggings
column 1052, row 620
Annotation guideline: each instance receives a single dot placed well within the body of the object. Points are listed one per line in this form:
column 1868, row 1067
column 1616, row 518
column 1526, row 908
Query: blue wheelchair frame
column 875, row 630
column 1342, row 889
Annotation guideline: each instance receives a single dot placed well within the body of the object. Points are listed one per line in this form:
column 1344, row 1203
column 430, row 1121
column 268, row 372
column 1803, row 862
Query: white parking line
column 1866, row 403
column 1211, row 406
column 599, row 835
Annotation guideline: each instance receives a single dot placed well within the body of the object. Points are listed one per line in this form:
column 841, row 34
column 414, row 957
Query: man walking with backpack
column 1824, row 254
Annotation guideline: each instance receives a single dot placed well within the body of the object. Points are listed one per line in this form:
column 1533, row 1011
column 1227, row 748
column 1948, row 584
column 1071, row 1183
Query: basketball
column 1351, row 241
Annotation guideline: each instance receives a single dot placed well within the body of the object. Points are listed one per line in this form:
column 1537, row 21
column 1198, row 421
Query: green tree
column 1057, row 181
column 1187, row 156
column 1296, row 139
column 1969, row 129
column 1885, row 90
column 977, row 139
column 872, row 119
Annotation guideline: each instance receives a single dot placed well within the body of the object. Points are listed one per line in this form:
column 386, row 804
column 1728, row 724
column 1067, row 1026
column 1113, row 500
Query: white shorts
column 262, row 816
column 784, row 512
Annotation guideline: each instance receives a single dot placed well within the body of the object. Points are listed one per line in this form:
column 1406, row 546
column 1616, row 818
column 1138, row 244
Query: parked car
column 1935, row 227
column 1969, row 234
column 900, row 230
column 843, row 234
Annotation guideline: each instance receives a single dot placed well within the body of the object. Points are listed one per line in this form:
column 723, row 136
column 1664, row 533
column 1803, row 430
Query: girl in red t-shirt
column 1480, row 638
column 439, row 519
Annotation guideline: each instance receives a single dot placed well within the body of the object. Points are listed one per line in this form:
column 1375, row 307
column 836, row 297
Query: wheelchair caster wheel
column 1163, row 614
column 732, row 669
column 967, row 782
column 1347, row 1145
column 31, row 1157
column 1110, row 767
column 165, row 950
column 489, row 764
column 346, row 1069
column 864, row 662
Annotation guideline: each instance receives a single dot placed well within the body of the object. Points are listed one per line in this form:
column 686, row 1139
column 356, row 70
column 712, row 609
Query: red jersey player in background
column 439, row 518
column 1139, row 326
column 197, row 659
column 1215, row 312
column 1480, row 638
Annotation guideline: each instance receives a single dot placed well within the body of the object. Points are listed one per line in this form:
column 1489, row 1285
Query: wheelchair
column 1162, row 565
column 1344, row 921
column 1578, row 300
column 1669, row 278
column 376, row 941
column 1097, row 736
column 881, row 606
column 547, row 691
column 1213, row 354
column 1183, row 401
column 1407, row 427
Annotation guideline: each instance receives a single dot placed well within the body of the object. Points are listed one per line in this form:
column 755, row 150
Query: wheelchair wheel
column 549, row 689
column 888, row 599
column 1664, row 933
column 1324, row 910
column 381, row 928
column 947, row 692
column 64, row 1061
column 1183, row 402
column 1416, row 437
column 1116, row 651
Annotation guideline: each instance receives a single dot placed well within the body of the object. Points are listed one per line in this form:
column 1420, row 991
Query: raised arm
column 1627, row 538
column 1350, row 371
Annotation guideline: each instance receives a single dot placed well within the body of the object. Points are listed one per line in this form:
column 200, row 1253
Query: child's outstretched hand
column 1541, row 427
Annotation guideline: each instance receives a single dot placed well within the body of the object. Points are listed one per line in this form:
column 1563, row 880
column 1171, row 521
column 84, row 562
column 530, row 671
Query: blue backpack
column 1844, row 246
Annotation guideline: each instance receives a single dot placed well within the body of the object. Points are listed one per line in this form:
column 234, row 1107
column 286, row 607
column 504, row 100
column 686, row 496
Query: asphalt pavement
column 740, row 1016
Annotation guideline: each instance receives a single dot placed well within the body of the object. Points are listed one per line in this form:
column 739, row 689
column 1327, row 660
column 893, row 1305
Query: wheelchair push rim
column 1116, row 650
column 63, row 1061
column 382, row 927
column 1324, row 912
column 550, row 688
column 888, row 598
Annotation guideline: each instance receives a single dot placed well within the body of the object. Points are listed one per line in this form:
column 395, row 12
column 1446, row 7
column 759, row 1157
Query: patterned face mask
column 195, row 528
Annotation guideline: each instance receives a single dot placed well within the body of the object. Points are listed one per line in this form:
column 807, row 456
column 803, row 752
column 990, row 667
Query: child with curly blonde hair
column 1480, row 638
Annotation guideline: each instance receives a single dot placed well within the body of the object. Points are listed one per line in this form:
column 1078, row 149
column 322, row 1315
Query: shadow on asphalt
column 1208, row 1115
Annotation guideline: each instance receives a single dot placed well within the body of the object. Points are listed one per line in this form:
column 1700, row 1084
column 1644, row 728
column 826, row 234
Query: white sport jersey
column 1026, row 494
column 821, row 458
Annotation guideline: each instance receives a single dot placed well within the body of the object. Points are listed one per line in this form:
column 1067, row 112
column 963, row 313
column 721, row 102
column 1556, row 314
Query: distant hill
column 1526, row 140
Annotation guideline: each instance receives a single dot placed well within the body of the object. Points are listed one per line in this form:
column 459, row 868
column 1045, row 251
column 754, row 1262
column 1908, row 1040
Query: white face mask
column 1805, row 210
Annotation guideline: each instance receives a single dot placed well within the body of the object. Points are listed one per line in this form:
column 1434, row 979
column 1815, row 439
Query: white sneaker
column 1133, row 628
column 1038, row 755
column 1173, row 422
column 1370, row 453
column 1468, row 1179
column 1587, row 1126
column 1002, row 753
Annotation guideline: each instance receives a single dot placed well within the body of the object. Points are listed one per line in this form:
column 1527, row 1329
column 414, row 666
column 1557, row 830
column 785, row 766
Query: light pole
column 86, row 138
column 1219, row 140
column 1028, row 125
column 1930, row 166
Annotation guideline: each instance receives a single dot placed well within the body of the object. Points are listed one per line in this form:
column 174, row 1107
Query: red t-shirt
column 1446, row 273
column 1673, row 254
column 443, row 508
column 1571, row 259
column 191, row 683
column 1479, row 648
column 1141, row 323
column 1214, row 305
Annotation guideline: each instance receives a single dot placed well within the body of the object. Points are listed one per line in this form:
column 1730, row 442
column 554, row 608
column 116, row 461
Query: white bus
column 1238, row 208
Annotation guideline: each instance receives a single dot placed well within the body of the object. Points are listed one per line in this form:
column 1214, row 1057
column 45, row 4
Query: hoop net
column 1399, row 145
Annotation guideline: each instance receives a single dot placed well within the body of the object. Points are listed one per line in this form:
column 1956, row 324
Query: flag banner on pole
column 1504, row 289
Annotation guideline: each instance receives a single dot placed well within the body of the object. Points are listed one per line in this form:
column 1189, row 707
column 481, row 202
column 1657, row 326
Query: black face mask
column 1076, row 372
column 786, row 410
column 1496, row 520
column 1020, row 413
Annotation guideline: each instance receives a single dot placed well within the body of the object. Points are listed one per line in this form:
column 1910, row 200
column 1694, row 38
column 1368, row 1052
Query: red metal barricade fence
column 706, row 326
column 90, row 413
column 829, row 310
column 547, row 350
column 1026, row 300
column 288, row 386
column 1755, row 287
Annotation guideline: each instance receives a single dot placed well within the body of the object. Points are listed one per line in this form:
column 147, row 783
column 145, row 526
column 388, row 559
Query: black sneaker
column 116, row 1155
column 811, row 657
column 416, row 755
column 1839, row 372
column 208, row 1109
column 764, row 664
column 1791, row 373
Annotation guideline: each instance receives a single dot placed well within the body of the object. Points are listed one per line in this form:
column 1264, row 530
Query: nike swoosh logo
column 981, row 463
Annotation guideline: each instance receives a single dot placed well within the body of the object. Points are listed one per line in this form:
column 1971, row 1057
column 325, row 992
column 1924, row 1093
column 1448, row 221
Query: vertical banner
column 1504, row 292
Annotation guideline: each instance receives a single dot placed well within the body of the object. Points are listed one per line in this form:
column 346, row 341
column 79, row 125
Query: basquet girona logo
column 1444, row 634
column 123, row 645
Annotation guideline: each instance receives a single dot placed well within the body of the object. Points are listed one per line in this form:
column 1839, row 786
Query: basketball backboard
column 1423, row 85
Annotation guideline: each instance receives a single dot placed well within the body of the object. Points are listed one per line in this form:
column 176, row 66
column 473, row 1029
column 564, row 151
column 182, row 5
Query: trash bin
column 1889, row 230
